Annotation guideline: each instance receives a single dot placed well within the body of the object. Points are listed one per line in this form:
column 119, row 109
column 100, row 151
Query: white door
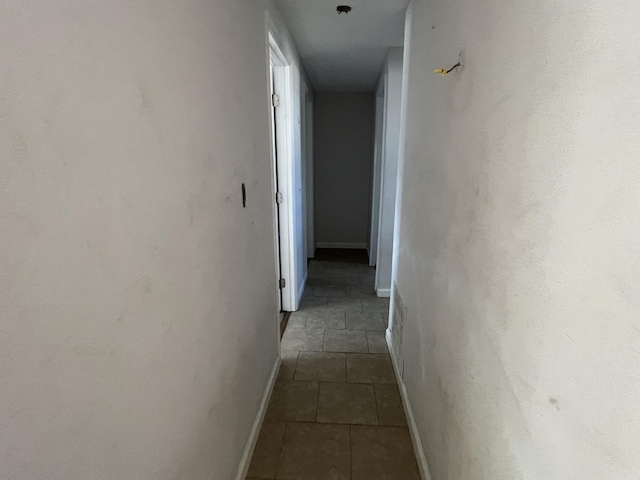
column 275, row 186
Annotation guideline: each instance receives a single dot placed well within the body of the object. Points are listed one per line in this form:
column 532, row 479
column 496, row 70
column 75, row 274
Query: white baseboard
column 383, row 292
column 245, row 461
column 413, row 428
column 350, row 246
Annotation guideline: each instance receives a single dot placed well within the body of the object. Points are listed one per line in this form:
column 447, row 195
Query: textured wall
column 138, row 301
column 519, row 252
column 343, row 159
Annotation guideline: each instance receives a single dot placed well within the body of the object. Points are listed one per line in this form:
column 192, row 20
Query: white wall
column 392, row 78
column 308, row 151
column 376, row 175
column 138, row 302
column 298, row 207
column 519, row 251
column 343, row 142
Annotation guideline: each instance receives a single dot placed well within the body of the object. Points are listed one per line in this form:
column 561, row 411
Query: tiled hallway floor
column 336, row 412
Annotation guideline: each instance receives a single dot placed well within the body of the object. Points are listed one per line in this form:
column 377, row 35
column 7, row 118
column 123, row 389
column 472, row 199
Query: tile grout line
column 295, row 369
column 284, row 434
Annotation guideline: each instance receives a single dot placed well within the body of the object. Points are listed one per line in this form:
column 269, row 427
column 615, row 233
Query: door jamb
column 284, row 136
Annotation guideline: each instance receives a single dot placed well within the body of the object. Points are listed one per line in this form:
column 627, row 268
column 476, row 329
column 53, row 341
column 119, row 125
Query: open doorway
column 343, row 164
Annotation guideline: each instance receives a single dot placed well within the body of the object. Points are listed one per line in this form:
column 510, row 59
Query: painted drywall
column 139, row 323
column 519, row 250
column 295, row 202
column 392, row 78
column 376, row 176
column 343, row 157
column 308, row 142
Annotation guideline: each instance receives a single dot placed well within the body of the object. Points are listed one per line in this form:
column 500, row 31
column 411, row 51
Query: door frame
column 379, row 144
column 283, row 129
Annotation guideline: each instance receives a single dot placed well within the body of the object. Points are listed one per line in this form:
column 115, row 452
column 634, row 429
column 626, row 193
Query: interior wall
column 376, row 175
column 139, row 324
column 308, row 139
column 392, row 76
column 298, row 208
column 519, row 259
column 343, row 157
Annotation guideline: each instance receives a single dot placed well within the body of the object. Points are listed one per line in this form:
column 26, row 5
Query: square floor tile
column 312, row 451
column 365, row 321
column 346, row 280
column 317, row 280
column 345, row 341
column 288, row 367
column 264, row 462
column 310, row 304
column 321, row 367
column 382, row 453
column 377, row 342
column 296, row 338
column 389, row 403
column 327, row 319
column 353, row 305
column 370, row 369
column 329, row 291
column 375, row 304
column 368, row 281
column 293, row 401
column 350, row 403
column 360, row 291
column 297, row 319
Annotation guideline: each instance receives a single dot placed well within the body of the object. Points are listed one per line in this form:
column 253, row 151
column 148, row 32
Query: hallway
column 336, row 412
column 170, row 168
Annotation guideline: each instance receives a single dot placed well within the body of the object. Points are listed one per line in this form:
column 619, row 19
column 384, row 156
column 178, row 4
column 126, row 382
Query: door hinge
column 275, row 100
column 283, row 283
column 279, row 197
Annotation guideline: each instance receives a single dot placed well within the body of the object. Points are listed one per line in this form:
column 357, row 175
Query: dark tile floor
column 336, row 412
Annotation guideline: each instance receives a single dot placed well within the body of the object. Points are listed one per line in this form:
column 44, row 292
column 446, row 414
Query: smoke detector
column 343, row 9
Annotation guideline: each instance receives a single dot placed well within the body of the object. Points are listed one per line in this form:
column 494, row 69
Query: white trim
column 285, row 148
column 359, row 246
column 413, row 428
column 302, row 286
column 245, row 461
column 383, row 292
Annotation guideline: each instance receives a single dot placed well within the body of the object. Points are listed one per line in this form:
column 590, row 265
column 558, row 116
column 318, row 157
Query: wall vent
column 397, row 330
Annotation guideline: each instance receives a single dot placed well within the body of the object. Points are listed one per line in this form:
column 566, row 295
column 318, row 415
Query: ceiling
column 344, row 53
